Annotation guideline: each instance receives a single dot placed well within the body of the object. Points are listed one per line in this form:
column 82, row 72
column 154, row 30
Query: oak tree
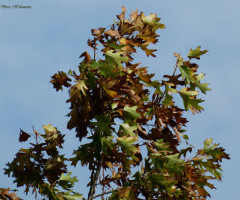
column 132, row 125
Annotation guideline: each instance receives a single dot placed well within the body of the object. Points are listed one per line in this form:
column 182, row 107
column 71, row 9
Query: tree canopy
column 131, row 125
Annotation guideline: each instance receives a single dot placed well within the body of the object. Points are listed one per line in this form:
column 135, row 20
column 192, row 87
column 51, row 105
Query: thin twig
column 99, row 195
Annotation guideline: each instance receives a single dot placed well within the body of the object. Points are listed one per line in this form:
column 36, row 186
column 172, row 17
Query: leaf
column 179, row 59
column 60, row 79
column 186, row 73
column 103, row 124
column 126, row 129
column 107, row 141
column 114, row 105
column 149, row 113
column 23, row 136
column 189, row 101
column 86, row 56
column 202, row 86
column 49, row 191
column 114, row 46
column 150, row 19
column 5, row 195
column 196, row 53
column 142, row 73
column 207, row 144
column 126, row 144
column 131, row 112
column 73, row 196
column 112, row 33
column 184, row 151
column 158, row 90
column 122, row 15
column 78, row 90
column 117, row 57
column 162, row 146
column 49, row 129
column 95, row 64
column 156, row 179
column 67, row 181
column 109, row 68
column 134, row 15
column 149, row 52
column 186, row 92
column 82, row 154
column 91, row 80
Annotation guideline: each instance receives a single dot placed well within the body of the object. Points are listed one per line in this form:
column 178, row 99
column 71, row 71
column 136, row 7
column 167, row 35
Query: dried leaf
column 23, row 136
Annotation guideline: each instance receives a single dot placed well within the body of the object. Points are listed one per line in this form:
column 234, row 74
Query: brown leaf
column 60, row 79
column 112, row 33
column 96, row 32
column 149, row 52
column 122, row 15
column 138, row 22
column 134, row 15
column 23, row 136
column 6, row 195
column 86, row 56
column 177, row 133
column 129, row 47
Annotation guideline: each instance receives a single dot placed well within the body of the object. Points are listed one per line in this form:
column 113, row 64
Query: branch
column 99, row 195
column 94, row 182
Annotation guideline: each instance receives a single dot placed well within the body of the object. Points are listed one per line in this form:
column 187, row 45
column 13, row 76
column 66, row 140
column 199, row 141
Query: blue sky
column 37, row 42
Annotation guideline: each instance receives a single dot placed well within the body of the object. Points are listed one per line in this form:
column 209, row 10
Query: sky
column 50, row 36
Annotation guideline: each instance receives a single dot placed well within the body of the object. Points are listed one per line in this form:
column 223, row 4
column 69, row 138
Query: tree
column 123, row 114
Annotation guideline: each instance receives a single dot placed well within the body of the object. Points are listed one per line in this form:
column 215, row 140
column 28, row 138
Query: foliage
column 116, row 105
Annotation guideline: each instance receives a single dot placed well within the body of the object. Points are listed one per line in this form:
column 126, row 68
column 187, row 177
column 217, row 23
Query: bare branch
column 99, row 195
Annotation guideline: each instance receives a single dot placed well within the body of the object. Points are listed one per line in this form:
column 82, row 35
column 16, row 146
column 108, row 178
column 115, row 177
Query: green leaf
column 67, row 181
column 91, row 79
column 126, row 145
column 189, row 101
column 196, row 53
column 202, row 86
column 185, row 137
column 82, row 154
column 173, row 160
column 184, row 151
column 103, row 124
column 149, row 113
column 156, row 179
column 162, row 146
column 126, row 129
column 117, row 57
column 49, row 129
column 158, row 89
column 109, row 68
column 95, row 64
column 168, row 89
column 186, row 92
column 47, row 190
column 107, row 142
column 114, row 105
column 131, row 112
column 150, row 19
column 186, row 72
column 73, row 196
column 207, row 144
column 114, row 46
